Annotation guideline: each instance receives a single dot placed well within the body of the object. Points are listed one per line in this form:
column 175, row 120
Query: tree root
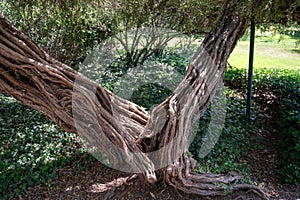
column 182, row 178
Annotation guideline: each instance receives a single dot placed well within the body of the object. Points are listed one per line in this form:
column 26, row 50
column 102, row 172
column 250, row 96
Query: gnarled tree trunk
column 31, row 76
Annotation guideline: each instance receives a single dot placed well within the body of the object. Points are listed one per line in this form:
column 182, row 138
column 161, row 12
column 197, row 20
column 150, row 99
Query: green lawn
column 271, row 51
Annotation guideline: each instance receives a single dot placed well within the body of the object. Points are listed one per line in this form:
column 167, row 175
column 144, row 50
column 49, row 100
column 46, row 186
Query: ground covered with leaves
column 98, row 182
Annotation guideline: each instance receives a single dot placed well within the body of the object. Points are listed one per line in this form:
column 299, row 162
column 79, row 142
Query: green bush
column 67, row 32
column 236, row 78
column 285, row 85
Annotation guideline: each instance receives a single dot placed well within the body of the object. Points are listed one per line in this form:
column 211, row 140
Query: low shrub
column 32, row 148
column 236, row 78
column 284, row 87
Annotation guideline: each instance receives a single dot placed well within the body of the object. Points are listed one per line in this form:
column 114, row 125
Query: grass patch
column 271, row 51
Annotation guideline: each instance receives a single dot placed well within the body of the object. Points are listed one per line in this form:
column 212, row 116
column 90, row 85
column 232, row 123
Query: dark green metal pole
column 250, row 71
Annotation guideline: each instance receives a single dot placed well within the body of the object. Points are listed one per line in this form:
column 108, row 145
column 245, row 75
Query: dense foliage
column 283, row 85
column 67, row 33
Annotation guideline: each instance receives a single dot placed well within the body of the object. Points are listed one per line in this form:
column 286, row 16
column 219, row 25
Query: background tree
column 45, row 84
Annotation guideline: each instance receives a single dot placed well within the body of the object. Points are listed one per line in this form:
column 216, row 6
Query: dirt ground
column 99, row 182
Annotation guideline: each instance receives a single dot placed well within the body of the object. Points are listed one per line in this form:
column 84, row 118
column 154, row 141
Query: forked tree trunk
column 32, row 77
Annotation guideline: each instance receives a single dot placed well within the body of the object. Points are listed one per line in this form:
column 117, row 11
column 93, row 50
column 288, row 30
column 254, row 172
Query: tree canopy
column 77, row 26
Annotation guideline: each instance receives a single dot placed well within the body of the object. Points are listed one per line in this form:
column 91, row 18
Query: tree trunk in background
column 31, row 76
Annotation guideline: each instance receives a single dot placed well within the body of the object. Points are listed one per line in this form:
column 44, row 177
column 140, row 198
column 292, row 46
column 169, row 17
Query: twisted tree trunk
column 148, row 141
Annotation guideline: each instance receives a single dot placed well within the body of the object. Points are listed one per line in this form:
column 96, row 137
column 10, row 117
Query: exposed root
column 95, row 188
column 182, row 178
column 110, row 188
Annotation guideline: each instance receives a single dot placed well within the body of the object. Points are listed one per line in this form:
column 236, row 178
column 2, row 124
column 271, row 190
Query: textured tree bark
column 189, row 101
column 31, row 76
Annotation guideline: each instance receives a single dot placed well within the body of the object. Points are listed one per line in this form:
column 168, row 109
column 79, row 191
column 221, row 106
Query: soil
column 99, row 182
column 90, row 184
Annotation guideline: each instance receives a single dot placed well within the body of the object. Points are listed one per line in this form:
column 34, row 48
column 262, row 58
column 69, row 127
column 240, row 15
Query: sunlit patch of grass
column 264, row 59
column 271, row 51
